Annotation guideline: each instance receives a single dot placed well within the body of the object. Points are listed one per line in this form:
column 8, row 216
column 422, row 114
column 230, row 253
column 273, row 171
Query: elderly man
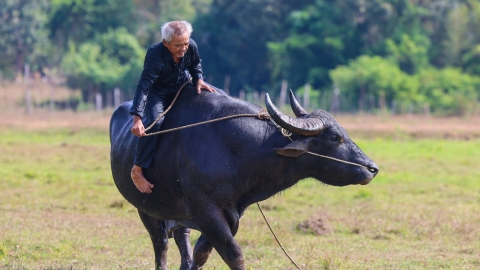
column 164, row 71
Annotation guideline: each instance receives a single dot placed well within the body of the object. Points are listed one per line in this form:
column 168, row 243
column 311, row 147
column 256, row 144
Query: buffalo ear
column 294, row 149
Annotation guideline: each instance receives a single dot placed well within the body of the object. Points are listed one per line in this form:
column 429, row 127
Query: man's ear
column 294, row 149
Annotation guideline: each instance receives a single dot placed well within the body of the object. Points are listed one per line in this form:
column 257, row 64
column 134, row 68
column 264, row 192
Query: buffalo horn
column 302, row 126
column 296, row 108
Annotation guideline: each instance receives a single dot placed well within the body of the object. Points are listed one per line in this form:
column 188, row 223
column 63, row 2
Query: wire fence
column 33, row 93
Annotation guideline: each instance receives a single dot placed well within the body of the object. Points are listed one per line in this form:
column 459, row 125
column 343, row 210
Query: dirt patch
column 317, row 224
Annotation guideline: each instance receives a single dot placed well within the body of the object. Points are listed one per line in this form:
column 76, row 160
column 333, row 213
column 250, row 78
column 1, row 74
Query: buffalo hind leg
column 158, row 233
column 201, row 252
column 182, row 239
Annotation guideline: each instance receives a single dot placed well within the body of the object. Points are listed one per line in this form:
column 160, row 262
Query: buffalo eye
column 336, row 139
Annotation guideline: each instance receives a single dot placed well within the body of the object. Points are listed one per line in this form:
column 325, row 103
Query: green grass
column 59, row 209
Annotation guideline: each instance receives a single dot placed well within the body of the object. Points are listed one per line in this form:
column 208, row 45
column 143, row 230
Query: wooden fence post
column 48, row 78
column 98, row 102
column 335, row 105
column 361, row 99
column 226, row 84
column 241, row 94
column 116, row 97
column 52, row 95
column 371, row 103
column 3, row 90
column 383, row 106
column 262, row 97
column 283, row 94
column 28, row 96
column 109, row 98
column 255, row 97
column 426, row 109
column 394, row 107
column 306, row 96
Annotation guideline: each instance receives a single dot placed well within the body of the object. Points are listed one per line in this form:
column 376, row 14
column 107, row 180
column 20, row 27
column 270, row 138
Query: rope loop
column 263, row 114
column 286, row 133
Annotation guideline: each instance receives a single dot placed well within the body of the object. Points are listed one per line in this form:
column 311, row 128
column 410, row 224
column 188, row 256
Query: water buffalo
column 206, row 176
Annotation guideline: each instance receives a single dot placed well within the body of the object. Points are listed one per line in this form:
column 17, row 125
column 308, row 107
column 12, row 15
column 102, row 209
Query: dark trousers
column 147, row 146
column 156, row 104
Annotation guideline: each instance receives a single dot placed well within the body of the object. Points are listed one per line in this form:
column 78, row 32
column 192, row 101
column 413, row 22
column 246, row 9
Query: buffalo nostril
column 373, row 169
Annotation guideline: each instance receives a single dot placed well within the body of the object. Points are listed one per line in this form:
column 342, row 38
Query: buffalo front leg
column 201, row 252
column 158, row 233
column 220, row 232
column 182, row 239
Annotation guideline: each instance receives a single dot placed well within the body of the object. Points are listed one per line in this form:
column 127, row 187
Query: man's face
column 178, row 45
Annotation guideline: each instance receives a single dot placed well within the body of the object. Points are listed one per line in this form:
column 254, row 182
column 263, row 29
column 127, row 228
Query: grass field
column 59, row 208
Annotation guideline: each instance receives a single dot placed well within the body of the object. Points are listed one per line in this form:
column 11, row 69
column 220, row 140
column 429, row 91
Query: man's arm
column 196, row 70
column 151, row 71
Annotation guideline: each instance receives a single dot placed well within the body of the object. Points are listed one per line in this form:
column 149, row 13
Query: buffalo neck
column 273, row 173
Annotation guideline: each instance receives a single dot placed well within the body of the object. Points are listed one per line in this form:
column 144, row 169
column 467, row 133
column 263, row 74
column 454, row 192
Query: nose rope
column 343, row 161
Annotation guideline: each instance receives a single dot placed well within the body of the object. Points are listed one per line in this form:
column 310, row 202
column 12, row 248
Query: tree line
column 352, row 55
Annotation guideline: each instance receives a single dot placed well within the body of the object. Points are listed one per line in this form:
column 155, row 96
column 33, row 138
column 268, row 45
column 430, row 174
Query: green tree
column 463, row 45
column 23, row 37
column 375, row 77
column 449, row 91
column 80, row 20
column 410, row 55
column 233, row 40
column 109, row 60
column 321, row 35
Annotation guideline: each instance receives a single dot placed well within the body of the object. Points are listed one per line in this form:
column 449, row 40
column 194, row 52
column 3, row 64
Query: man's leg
column 147, row 146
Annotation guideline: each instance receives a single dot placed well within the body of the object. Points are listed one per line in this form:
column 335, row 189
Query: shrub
column 449, row 91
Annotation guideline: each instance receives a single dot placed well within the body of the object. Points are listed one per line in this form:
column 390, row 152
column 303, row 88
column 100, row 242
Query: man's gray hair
column 176, row 28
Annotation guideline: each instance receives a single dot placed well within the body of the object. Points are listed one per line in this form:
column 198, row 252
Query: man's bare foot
column 139, row 180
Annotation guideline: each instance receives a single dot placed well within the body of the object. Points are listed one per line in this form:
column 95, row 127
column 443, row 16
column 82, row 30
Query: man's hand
column 202, row 85
column 137, row 129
